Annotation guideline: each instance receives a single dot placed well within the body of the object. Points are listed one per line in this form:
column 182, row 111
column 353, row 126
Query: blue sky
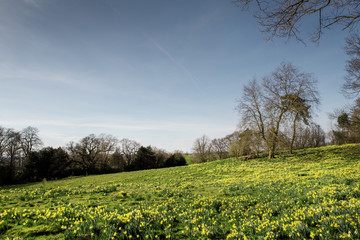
column 160, row 72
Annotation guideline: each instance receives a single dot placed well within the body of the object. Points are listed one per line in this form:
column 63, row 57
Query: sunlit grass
column 313, row 194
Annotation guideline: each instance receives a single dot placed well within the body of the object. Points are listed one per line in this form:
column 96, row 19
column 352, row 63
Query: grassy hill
column 314, row 193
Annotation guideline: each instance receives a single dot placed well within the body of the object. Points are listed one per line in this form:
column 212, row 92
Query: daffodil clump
column 312, row 194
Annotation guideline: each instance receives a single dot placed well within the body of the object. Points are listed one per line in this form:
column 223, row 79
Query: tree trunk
column 274, row 137
column 293, row 134
column 272, row 152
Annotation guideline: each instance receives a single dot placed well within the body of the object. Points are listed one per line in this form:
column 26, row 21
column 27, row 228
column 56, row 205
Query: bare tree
column 317, row 135
column 254, row 112
column 128, row 149
column 108, row 144
column 30, row 140
column 13, row 147
column 10, row 154
column 93, row 153
column 308, row 136
column 351, row 86
column 202, row 149
column 263, row 107
column 303, row 136
column 2, row 143
column 283, row 18
column 301, row 97
column 355, row 116
column 230, row 138
column 220, row 147
column 86, row 153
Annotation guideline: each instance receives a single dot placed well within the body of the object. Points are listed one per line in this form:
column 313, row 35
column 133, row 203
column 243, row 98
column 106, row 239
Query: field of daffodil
column 312, row 194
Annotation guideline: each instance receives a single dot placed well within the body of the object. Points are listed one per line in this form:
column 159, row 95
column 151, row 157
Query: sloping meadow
column 312, row 194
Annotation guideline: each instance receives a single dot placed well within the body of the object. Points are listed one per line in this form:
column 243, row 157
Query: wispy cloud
column 177, row 63
column 161, row 48
column 169, row 56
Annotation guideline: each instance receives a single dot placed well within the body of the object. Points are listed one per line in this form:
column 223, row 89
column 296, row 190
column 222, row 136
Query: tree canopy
column 285, row 94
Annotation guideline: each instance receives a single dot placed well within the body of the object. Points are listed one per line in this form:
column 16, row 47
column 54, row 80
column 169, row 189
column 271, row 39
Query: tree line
column 249, row 144
column 276, row 111
column 277, row 115
column 23, row 158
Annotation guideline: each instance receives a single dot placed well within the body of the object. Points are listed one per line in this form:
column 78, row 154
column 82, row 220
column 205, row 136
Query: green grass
column 312, row 194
